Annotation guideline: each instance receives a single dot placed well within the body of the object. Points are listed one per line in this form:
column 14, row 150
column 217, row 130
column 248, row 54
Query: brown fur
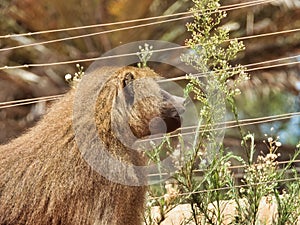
column 44, row 178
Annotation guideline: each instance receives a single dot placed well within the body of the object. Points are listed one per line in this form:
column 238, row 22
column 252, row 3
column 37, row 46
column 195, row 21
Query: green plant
column 205, row 180
column 212, row 56
column 212, row 53
column 288, row 202
column 144, row 55
column 262, row 180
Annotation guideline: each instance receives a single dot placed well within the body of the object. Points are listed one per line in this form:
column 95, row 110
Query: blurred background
column 272, row 91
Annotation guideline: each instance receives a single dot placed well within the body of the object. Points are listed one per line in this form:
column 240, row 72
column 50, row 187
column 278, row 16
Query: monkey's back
column 44, row 179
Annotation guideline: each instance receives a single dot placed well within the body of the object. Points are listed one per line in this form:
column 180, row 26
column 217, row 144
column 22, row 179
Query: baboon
column 44, row 177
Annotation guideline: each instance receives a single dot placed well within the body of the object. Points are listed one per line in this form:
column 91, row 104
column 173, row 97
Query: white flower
column 227, row 164
column 68, row 77
column 278, row 143
column 259, row 167
column 237, row 91
column 270, row 139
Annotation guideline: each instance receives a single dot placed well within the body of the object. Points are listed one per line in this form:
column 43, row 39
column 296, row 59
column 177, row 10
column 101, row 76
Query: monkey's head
column 141, row 107
column 115, row 107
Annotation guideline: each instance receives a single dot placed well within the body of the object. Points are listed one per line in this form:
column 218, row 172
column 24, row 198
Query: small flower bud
column 237, row 91
column 68, row 77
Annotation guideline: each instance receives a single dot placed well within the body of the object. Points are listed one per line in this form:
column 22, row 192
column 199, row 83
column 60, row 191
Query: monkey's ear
column 128, row 88
column 128, row 79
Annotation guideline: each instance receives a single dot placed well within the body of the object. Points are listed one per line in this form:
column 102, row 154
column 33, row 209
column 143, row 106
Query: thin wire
column 118, row 29
column 92, row 34
column 272, row 66
column 199, row 75
column 245, row 120
column 66, row 62
column 273, row 60
column 257, row 2
column 88, row 60
column 30, row 99
column 246, row 124
column 223, row 128
column 267, row 34
column 4, row 105
column 228, row 188
column 27, row 103
column 132, row 54
column 93, row 26
column 230, row 167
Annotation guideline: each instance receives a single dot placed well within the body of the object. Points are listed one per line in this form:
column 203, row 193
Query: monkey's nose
column 179, row 104
column 180, row 109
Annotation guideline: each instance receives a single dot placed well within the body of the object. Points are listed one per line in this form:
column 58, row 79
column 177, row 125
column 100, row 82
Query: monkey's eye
column 128, row 88
column 128, row 79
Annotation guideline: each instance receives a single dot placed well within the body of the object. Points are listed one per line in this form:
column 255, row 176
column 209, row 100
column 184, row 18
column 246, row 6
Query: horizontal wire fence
column 225, row 8
column 134, row 53
column 241, row 5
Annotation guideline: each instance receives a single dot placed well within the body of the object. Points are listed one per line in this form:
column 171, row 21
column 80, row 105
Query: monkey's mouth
column 172, row 123
column 165, row 124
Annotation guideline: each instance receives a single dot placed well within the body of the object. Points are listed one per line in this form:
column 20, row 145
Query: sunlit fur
column 44, row 179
